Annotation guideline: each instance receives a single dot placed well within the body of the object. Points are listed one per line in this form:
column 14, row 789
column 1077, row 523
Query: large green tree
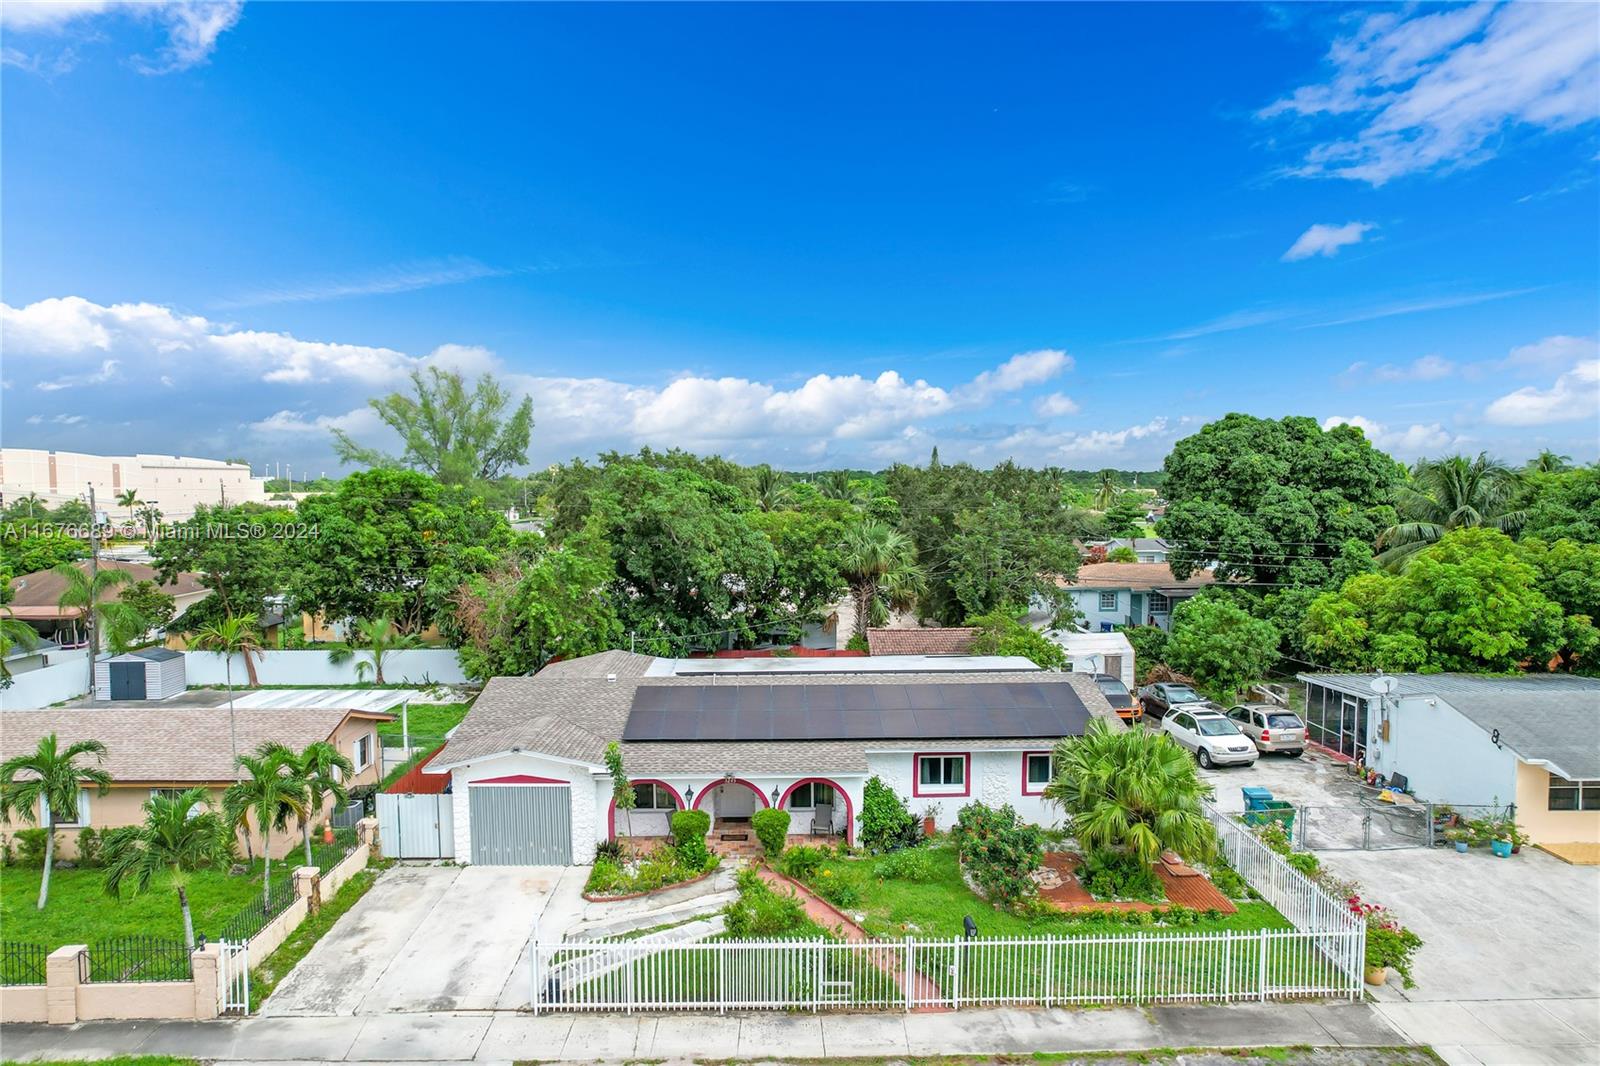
column 1273, row 501
column 43, row 785
column 1003, row 633
column 1450, row 493
column 234, row 551
column 1565, row 504
column 455, row 433
column 879, row 565
column 1470, row 602
column 394, row 544
column 1220, row 644
column 179, row 835
column 271, row 791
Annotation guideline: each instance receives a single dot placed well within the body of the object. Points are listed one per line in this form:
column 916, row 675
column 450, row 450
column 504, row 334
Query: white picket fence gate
column 233, row 973
column 1322, row 956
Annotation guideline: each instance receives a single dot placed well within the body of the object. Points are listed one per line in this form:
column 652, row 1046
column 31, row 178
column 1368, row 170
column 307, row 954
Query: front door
column 127, row 681
column 735, row 803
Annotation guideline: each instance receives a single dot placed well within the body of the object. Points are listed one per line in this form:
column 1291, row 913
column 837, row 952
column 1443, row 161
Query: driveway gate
column 521, row 824
column 1375, row 827
column 416, row 826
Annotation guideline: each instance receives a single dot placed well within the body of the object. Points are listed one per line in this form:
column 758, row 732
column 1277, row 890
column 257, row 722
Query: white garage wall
column 585, row 789
column 410, row 667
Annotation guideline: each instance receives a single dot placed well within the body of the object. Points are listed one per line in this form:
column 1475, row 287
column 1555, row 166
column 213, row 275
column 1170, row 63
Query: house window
column 1038, row 770
column 363, row 752
column 806, row 797
column 1160, row 603
column 1574, row 795
column 941, row 775
column 649, row 796
column 1108, row 601
column 81, row 816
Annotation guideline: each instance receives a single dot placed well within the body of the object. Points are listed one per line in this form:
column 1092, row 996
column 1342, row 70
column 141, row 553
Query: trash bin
column 1256, row 799
column 1272, row 811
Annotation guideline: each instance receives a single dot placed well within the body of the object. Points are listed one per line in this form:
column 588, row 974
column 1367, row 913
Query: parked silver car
column 1211, row 735
column 1271, row 727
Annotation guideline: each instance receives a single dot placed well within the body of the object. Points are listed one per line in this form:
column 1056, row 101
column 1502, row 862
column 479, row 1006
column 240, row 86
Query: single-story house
column 1148, row 549
column 1120, row 594
column 1097, row 653
column 925, row 640
column 36, row 597
column 1471, row 739
column 167, row 749
column 733, row 736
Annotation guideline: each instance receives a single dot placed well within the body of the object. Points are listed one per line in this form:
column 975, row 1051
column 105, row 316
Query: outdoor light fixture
column 774, row 795
column 688, row 793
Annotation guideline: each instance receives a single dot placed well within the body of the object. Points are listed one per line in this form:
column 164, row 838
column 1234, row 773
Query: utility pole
column 94, row 574
column 222, row 492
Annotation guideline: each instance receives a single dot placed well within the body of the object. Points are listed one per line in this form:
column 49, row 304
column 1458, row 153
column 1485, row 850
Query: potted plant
column 1459, row 837
column 1390, row 946
column 1500, row 839
column 1517, row 834
column 930, row 819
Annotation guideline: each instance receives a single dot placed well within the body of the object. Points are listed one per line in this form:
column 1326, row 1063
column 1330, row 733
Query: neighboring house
column 21, row 660
column 1117, row 594
column 175, row 748
column 948, row 640
column 1469, row 739
column 36, row 597
column 733, row 736
column 1148, row 549
column 1097, row 653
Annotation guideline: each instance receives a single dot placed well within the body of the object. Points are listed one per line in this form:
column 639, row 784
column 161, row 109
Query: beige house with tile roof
column 161, row 748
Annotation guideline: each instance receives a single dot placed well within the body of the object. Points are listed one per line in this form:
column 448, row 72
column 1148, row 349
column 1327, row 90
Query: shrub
column 909, row 864
column 605, row 878
column 1305, row 862
column 1000, row 851
column 1391, row 944
column 1118, row 875
column 30, row 846
column 689, row 829
column 857, row 642
column 886, row 824
column 759, row 911
column 801, row 863
column 772, row 829
column 837, row 892
column 1228, row 881
column 88, row 847
column 609, row 849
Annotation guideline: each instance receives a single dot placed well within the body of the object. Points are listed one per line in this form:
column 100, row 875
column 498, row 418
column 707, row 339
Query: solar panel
column 925, row 711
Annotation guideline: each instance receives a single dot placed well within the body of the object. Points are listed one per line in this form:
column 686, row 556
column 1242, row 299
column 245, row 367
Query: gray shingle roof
column 1554, row 718
column 573, row 714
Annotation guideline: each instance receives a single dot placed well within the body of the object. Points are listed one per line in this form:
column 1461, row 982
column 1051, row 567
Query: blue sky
column 811, row 235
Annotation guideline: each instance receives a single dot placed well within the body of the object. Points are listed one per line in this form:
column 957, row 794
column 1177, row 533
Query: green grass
column 120, row 1060
column 274, row 968
column 80, row 912
column 937, row 907
column 427, row 721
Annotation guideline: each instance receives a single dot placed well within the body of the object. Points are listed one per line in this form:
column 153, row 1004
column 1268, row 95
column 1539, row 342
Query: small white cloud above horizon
column 1410, row 442
column 1055, row 405
column 1574, row 395
column 192, row 29
column 1325, row 239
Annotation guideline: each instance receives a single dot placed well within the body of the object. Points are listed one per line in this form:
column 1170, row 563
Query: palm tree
column 322, row 770
column 772, row 489
column 13, row 633
column 87, row 594
column 1106, row 490
column 879, row 564
column 835, row 485
column 377, row 637
column 1450, row 493
column 53, row 778
column 173, row 839
column 273, row 792
column 149, row 514
column 1548, row 462
column 1134, row 791
column 128, row 499
column 32, row 500
column 231, row 636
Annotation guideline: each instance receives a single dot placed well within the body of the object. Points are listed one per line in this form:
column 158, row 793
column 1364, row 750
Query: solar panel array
column 930, row 711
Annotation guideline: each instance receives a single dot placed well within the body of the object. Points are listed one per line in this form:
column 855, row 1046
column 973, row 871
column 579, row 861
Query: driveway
column 434, row 938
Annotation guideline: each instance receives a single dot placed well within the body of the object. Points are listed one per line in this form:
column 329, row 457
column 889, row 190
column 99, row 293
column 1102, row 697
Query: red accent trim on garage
column 611, row 815
column 849, row 806
column 519, row 779
column 916, row 774
column 704, row 792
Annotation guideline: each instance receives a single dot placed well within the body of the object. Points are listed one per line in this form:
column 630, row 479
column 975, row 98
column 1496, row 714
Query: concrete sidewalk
column 503, row 1037
column 1486, row 1032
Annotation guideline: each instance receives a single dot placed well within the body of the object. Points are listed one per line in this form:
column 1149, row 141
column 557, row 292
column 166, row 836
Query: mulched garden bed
column 1067, row 894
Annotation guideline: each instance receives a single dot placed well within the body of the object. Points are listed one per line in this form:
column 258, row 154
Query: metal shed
column 148, row 674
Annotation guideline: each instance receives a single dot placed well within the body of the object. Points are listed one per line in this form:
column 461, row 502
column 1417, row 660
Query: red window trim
column 611, row 815
column 916, row 774
column 1025, row 756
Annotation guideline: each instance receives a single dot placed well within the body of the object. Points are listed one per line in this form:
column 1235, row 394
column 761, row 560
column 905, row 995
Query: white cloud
column 1439, row 88
column 192, row 28
column 1408, row 443
column 58, row 420
column 1325, row 239
column 107, row 372
column 1552, row 352
column 293, row 423
column 1230, row 322
column 1413, row 307
column 402, row 277
column 1055, row 405
column 1575, row 395
column 1018, row 372
column 1426, row 368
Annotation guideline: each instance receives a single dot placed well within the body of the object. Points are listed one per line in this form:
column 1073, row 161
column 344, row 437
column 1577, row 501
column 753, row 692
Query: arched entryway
column 731, row 800
column 806, row 793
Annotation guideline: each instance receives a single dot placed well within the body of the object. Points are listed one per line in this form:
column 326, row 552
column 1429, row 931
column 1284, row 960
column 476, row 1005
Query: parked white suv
column 1211, row 735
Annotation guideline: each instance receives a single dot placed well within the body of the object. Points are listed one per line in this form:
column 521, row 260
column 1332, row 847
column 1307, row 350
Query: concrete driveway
column 434, row 938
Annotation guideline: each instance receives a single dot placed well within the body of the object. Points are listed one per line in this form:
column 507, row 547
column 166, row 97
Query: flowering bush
column 1000, row 851
column 1388, row 942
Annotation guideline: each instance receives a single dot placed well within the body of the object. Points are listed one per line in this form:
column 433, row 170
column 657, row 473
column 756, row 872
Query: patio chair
column 822, row 820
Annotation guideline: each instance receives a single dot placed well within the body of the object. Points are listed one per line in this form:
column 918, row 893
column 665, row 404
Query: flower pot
column 1461, row 846
column 929, row 826
column 1377, row 975
column 1501, row 848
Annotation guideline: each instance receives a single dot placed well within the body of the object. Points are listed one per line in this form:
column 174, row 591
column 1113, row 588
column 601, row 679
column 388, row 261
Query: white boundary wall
column 411, row 667
column 65, row 679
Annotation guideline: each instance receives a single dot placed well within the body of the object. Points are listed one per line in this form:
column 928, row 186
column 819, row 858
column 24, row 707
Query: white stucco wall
column 1445, row 757
column 587, row 784
column 995, row 778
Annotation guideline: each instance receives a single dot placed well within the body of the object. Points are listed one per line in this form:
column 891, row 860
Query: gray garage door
column 521, row 825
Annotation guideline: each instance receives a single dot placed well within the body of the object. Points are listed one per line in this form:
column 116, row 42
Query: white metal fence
column 1296, row 896
column 628, row 975
column 233, row 974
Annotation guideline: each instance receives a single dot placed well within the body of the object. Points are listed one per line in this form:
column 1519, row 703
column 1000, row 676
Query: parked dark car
column 1122, row 701
column 1162, row 696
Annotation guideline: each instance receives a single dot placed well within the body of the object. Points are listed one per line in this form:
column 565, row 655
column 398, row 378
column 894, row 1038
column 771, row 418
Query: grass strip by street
column 120, row 1060
column 265, row 976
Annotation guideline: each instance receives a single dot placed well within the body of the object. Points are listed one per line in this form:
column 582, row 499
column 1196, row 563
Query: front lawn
column 893, row 907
